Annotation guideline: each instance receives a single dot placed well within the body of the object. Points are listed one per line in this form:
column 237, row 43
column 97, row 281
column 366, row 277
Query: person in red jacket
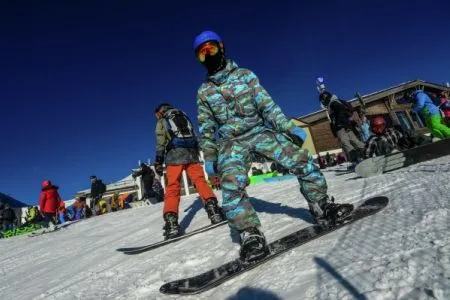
column 49, row 202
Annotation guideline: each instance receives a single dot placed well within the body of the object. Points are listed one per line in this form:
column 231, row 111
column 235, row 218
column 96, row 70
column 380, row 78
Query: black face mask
column 215, row 63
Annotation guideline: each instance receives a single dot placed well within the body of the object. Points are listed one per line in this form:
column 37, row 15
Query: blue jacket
column 365, row 131
column 424, row 105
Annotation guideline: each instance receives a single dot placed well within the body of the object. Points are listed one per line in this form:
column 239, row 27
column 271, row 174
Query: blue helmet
column 206, row 36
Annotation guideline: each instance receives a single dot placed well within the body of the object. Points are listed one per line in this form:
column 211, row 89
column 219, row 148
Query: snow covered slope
column 401, row 253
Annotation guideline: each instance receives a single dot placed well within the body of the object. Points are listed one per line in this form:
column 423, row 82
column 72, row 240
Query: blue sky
column 79, row 80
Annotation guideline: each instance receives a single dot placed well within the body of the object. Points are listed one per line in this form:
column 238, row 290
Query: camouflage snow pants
column 234, row 162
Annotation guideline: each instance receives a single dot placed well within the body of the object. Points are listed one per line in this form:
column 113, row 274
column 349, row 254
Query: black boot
column 171, row 228
column 328, row 213
column 253, row 244
column 214, row 211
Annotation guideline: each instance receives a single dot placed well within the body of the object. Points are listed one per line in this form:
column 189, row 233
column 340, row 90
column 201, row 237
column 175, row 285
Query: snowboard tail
column 394, row 161
column 141, row 249
column 219, row 275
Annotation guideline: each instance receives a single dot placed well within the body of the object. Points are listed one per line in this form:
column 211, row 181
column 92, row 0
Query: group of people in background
column 362, row 136
column 51, row 210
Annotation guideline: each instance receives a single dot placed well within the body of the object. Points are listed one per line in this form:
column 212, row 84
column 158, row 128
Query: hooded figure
column 49, row 202
column 343, row 125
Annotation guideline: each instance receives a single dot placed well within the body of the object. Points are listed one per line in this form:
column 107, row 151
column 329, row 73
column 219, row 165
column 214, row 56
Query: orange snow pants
column 173, row 187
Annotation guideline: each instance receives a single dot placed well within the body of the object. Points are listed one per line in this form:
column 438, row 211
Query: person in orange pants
column 177, row 147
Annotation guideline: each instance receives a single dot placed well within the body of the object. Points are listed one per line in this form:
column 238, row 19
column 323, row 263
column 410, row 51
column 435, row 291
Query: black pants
column 50, row 217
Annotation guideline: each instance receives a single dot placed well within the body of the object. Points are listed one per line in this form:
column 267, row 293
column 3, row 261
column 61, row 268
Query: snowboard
column 140, row 249
column 42, row 231
column 219, row 275
column 394, row 161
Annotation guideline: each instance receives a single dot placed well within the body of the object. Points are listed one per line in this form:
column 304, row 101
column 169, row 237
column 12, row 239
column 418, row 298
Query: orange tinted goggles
column 210, row 48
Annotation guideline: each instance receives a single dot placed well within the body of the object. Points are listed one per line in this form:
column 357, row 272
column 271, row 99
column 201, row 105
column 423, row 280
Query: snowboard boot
column 253, row 244
column 171, row 228
column 214, row 211
column 328, row 213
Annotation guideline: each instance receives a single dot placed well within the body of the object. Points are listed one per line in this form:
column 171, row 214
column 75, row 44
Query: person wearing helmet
column 177, row 147
column 49, row 202
column 423, row 105
column 384, row 140
column 343, row 124
column 234, row 106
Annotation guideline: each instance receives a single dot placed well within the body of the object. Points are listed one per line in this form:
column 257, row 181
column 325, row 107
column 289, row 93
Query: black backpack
column 180, row 129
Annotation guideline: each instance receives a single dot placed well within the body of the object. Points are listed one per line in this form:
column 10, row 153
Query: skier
column 177, row 146
column 49, row 201
column 232, row 104
column 423, row 105
column 384, row 140
column 148, row 176
column 342, row 125
column 97, row 190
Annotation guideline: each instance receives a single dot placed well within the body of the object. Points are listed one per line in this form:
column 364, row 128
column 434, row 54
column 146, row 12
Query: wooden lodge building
column 320, row 138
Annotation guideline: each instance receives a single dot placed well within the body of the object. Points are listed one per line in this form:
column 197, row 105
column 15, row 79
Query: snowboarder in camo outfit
column 232, row 102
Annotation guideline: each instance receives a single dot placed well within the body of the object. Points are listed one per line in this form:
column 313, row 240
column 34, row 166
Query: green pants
column 437, row 127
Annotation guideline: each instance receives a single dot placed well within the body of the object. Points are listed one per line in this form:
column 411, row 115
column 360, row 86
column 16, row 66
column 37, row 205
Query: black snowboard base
column 140, row 249
column 219, row 275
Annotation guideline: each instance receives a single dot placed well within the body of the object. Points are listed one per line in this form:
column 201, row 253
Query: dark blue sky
column 79, row 80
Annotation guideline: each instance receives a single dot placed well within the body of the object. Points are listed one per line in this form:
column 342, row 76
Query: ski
column 225, row 272
column 140, row 249
column 394, row 161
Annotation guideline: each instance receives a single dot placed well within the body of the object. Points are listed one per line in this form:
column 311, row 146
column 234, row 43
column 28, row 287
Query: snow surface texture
column 402, row 252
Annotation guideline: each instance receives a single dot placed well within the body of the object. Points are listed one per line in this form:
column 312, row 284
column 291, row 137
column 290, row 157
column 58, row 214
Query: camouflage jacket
column 233, row 103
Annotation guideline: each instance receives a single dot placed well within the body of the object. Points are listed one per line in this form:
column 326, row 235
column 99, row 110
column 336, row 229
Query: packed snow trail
column 401, row 253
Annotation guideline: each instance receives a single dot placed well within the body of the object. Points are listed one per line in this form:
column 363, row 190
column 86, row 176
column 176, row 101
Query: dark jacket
column 172, row 156
column 147, row 175
column 8, row 216
column 340, row 113
column 97, row 188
